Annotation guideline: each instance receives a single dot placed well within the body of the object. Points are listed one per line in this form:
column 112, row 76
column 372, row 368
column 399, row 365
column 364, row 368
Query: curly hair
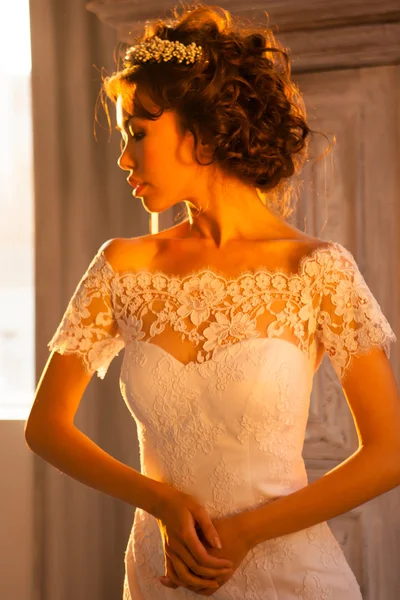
column 241, row 98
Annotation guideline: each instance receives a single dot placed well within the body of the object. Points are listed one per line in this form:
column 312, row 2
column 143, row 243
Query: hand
column 181, row 518
column 236, row 545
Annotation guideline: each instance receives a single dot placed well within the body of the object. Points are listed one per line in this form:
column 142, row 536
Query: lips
column 134, row 183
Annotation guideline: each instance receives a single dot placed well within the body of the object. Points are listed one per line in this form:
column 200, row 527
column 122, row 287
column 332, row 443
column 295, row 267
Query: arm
column 356, row 335
column 86, row 341
column 73, row 453
column 367, row 473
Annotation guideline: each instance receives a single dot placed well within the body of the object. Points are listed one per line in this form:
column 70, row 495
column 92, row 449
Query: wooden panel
column 288, row 14
column 320, row 34
column 352, row 198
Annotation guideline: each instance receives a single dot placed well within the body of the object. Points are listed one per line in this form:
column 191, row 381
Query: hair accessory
column 162, row 51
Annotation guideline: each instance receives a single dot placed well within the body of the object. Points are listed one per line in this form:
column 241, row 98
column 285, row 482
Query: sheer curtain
column 82, row 199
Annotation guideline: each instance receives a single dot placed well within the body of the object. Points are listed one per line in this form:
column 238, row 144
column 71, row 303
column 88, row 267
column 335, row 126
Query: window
column 17, row 343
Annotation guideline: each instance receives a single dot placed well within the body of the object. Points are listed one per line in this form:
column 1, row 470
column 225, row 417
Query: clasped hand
column 191, row 559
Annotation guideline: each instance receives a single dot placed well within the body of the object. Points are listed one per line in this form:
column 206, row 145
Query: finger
column 192, row 541
column 165, row 581
column 200, row 554
column 208, row 528
column 185, row 576
column 187, row 558
column 202, row 591
column 171, row 574
column 168, row 583
column 199, row 517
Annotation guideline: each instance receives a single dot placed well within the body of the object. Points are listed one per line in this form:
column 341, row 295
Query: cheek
column 184, row 154
column 172, row 161
column 166, row 160
column 150, row 157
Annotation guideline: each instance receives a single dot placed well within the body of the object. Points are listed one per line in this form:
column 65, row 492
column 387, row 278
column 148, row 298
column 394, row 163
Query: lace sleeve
column 88, row 327
column 350, row 320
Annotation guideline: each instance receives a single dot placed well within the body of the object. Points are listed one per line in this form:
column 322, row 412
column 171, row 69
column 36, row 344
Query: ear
column 205, row 139
column 205, row 144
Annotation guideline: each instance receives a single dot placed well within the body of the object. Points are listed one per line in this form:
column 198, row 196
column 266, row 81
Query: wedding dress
column 229, row 426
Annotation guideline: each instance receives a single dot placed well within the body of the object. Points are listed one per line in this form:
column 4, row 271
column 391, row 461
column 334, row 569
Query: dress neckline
column 218, row 274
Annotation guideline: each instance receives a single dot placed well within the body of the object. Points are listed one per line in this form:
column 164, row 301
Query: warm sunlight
column 17, row 355
column 15, row 39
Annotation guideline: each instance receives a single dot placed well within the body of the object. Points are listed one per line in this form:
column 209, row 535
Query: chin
column 158, row 203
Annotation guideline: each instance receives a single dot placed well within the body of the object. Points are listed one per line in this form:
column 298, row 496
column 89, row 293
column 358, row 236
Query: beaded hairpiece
column 160, row 50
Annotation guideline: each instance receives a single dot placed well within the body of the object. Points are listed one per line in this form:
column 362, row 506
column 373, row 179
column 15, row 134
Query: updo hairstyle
column 239, row 98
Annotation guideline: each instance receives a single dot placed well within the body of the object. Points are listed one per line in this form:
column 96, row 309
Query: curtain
column 82, row 199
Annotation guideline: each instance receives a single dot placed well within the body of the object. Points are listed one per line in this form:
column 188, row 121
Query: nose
column 124, row 163
column 127, row 160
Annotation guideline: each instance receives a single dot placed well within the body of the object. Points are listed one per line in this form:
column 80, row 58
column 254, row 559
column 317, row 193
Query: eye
column 136, row 136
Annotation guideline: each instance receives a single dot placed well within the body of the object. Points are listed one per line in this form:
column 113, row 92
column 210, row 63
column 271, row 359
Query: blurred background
column 63, row 195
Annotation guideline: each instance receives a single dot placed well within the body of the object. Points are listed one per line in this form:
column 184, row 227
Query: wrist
column 158, row 497
column 244, row 527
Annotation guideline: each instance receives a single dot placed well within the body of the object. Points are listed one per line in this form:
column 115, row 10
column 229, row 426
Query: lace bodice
column 217, row 373
column 203, row 315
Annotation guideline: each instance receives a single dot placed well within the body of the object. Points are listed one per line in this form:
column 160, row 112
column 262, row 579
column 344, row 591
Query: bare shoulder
column 129, row 253
column 138, row 252
column 300, row 246
column 141, row 252
column 309, row 244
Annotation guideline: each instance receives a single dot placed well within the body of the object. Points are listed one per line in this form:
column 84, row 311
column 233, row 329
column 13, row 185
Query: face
column 157, row 154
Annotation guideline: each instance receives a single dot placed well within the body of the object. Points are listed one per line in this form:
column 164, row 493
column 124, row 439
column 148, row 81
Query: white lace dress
column 228, row 427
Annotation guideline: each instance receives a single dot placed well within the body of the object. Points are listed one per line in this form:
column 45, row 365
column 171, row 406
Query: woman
column 224, row 320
